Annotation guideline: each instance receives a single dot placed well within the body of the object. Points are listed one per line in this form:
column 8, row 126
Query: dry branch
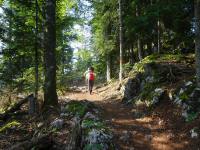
column 15, row 108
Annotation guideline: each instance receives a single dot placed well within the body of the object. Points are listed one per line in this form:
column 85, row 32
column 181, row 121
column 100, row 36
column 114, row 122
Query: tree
column 121, row 40
column 197, row 39
column 36, row 50
column 50, row 95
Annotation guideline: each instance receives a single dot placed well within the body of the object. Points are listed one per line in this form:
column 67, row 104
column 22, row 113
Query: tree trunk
column 36, row 49
column 139, row 49
column 158, row 26
column 131, row 55
column 50, row 95
column 108, row 68
column 121, row 40
column 139, row 40
column 197, row 40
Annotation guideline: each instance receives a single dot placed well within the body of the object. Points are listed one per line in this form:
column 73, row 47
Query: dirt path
column 134, row 131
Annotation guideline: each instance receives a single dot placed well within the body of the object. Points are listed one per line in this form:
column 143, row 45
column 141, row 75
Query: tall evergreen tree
column 121, row 40
column 197, row 39
column 50, row 95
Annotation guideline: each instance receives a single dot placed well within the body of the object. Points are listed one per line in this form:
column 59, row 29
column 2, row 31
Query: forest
column 143, row 57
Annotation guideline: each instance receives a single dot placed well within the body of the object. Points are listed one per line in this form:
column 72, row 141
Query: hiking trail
column 136, row 128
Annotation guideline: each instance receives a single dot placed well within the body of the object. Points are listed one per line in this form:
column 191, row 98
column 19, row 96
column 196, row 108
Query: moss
column 192, row 116
column 185, row 95
column 93, row 147
column 9, row 125
column 155, row 58
column 89, row 123
column 77, row 108
column 147, row 92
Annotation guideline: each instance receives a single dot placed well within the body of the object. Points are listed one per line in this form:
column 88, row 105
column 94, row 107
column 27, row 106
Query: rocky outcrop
column 146, row 84
column 131, row 87
column 187, row 97
column 88, row 130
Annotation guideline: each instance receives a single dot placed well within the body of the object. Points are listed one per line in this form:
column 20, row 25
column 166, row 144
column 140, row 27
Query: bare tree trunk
column 131, row 55
column 139, row 44
column 197, row 39
column 158, row 26
column 139, row 40
column 36, row 49
column 50, row 95
column 121, row 40
column 108, row 68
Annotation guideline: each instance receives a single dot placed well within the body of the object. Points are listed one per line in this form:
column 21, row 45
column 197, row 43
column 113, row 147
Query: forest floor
column 134, row 128
column 139, row 129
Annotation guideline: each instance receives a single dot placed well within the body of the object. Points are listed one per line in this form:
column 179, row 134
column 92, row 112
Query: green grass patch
column 77, row 108
column 89, row 123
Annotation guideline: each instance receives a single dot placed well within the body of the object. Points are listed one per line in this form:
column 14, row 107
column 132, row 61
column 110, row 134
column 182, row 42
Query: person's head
column 91, row 69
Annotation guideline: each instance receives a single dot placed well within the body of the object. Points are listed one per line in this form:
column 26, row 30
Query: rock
column 63, row 109
column 126, row 136
column 188, row 83
column 149, row 79
column 160, row 122
column 184, row 114
column 157, row 95
column 40, row 124
column 89, row 115
column 148, row 137
column 64, row 115
column 57, row 123
column 97, row 136
column 194, row 133
column 131, row 87
column 181, row 91
column 178, row 101
column 170, row 96
column 138, row 114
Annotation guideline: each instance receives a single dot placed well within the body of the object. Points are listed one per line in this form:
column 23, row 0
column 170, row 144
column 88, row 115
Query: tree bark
column 121, row 40
column 197, row 40
column 139, row 46
column 131, row 55
column 158, row 26
column 50, row 95
column 36, row 49
column 108, row 68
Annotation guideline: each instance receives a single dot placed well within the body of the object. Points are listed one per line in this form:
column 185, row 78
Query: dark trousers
column 90, row 85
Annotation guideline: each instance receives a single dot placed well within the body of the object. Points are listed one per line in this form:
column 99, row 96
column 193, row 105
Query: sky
column 84, row 31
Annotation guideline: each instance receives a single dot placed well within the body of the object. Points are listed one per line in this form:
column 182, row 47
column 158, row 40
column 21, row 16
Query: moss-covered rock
column 153, row 72
column 77, row 108
column 187, row 97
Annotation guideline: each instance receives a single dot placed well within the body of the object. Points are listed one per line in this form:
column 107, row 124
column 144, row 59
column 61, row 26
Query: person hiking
column 91, row 77
column 86, row 76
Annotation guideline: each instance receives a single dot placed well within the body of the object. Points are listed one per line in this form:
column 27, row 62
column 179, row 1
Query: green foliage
column 76, row 108
column 192, row 116
column 93, row 147
column 146, row 95
column 88, row 123
column 9, row 125
column 155, row 58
